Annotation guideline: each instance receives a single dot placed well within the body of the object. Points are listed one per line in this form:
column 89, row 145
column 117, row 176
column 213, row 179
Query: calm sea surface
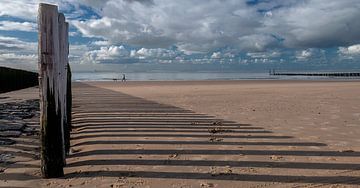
column 146, row 76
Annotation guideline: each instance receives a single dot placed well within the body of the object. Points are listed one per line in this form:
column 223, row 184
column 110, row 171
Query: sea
column 187, row 76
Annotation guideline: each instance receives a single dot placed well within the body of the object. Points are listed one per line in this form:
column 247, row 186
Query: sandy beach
column 309, row 110
column 203, row 134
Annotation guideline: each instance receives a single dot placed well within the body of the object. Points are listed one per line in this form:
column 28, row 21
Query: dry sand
column 208, row 134
column 309, row 110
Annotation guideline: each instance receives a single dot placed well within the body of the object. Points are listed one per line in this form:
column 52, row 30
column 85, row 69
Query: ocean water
column 146, row 76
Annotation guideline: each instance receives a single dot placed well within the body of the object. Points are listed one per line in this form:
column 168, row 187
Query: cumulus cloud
column 20, row 61
column 315, row 23
column 128, row 31
column 313, row 55
column 216, row 55
column 100, row 43
column 11, row 44
column 195, row 26
column 17, row 53
column 25, row 9
column 18, row 26
column 13, row 56
column 268, row 54
column 304, row 54
column 122, row 55
column 157, row 53
column 107, row 54
column 350, row 51
column 257, row 42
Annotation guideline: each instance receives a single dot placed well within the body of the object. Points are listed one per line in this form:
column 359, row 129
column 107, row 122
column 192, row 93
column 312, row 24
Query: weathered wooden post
column 62, row 72
column 64, row 53
column 68, row 109
column 52, row 83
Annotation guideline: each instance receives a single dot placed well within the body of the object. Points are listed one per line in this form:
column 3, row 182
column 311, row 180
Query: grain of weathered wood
column 68, row 109
column 52, row 143
column 62, row 79
column 64, row 52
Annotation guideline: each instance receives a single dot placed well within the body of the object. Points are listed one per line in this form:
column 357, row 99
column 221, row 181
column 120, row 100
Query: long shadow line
column 217, row 152
column 259, row 164
column 120, row 120
column 222, row 143
column 88, row 125
column 115, row 128
column 183, row 136
column 78, row 116
column 170, row 131
column 349, row 180
column 134, row 109
column 105, row 131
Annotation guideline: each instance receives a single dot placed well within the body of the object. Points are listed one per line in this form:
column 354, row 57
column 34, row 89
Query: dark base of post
column 67, row 137
column 68, row 126
column 52, row 162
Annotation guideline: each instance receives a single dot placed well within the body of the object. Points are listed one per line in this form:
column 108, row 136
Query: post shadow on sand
column 132, row 110
column 113, row 126
column 27, row 148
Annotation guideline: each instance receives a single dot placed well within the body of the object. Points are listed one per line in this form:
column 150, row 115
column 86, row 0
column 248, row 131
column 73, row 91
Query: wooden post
column 62, row 80
column 51, row 99
column 64, row 49
column 68, row 108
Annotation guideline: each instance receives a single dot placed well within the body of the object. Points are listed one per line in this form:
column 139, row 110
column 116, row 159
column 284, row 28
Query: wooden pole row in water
column 55, row 95
column 326, row 74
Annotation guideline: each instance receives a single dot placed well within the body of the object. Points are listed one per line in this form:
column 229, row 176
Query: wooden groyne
column 54, row 85
column 14, row 79
column 320, row 74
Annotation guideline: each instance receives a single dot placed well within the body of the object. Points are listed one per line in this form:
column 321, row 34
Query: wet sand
column 208, row 134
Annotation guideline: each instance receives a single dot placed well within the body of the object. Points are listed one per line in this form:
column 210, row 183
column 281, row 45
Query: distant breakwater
column 14, row 79
column 326, row 74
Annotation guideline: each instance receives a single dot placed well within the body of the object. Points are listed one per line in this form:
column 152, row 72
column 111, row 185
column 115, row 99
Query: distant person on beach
column 123, row 78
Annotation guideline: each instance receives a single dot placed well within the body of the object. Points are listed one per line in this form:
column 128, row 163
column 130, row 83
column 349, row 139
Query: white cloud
column 19, row 26
column 20, row 61
column 110, row 54
column 20, row 57
column 304, row 54
column 72, row 33
column 191, row 25
column 25, row 9
column 155, row 53
column 191, row 30
column 100, row 43
column 266, row 55
column 311, row 55
column 11, row 44
column 350, row 51
column 216, row 55
column 119, row 54
column 315, row 23
column 257, row 42
column 195, row 26
column 17, row 53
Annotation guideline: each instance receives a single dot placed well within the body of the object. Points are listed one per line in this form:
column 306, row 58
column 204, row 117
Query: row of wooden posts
column 55, row 90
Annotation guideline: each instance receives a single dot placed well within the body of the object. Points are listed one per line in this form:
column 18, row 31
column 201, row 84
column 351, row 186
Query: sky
column 191, row 35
